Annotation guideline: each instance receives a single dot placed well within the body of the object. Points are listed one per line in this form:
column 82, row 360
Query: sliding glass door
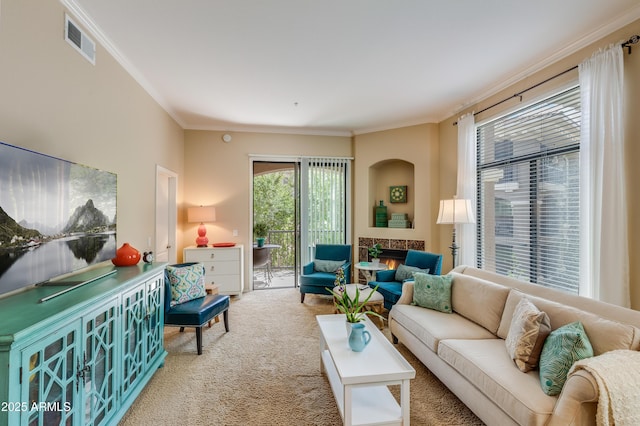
column 302, row 202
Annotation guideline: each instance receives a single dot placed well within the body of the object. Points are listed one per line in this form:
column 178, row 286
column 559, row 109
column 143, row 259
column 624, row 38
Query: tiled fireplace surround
column 393, row 250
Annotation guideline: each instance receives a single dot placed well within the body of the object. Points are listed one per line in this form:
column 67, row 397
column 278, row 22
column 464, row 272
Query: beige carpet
column 265, row 371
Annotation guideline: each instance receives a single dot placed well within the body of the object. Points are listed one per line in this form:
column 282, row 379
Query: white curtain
column 604, row 248
column 467, row 187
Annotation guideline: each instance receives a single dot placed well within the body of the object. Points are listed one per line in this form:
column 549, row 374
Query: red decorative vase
column 126, row 256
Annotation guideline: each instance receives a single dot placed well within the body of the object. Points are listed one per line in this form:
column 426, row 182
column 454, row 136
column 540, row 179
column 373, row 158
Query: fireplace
column 394, row 251
column 392, row 257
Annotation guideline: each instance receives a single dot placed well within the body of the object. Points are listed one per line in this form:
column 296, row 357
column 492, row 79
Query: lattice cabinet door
column 98, row 372
column 49, row 378
column 134, row 307
column 155, row 318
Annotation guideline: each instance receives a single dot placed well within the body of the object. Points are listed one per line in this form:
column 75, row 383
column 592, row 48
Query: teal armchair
column 391, row 288
column 320, row 274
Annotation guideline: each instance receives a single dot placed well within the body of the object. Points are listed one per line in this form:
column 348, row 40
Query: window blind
column 528, row 192
column 324, row 203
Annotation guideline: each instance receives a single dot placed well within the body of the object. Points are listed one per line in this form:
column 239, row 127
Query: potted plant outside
column 260, row 230
column 374, row 252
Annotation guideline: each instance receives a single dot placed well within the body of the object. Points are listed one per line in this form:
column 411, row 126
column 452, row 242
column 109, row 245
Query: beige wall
column 54, row 101
column 448, row 133
column 417, row 145
column 219, row 174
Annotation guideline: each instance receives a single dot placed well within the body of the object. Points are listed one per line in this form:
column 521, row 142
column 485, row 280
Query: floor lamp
column 454, row 212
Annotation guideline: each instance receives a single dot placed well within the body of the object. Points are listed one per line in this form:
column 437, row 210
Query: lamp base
column 202, row 240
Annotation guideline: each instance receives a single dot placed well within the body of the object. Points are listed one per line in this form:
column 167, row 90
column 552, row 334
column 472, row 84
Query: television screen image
column 56, row 217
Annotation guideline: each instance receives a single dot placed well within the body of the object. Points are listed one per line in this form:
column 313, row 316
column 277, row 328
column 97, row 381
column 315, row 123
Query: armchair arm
column 386, row 276
column 407, row 293
column 307, row 269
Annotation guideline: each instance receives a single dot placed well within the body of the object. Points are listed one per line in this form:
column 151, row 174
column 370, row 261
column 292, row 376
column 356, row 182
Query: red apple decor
column 126, row 256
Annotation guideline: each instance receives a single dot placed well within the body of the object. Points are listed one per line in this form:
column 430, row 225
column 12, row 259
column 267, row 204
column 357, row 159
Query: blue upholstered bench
column 195, row 313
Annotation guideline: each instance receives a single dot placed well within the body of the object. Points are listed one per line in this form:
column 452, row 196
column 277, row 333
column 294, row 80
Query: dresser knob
column 213, row 255
column 213, row 268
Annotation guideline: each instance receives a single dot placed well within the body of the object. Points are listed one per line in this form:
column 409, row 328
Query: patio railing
column 283, row 257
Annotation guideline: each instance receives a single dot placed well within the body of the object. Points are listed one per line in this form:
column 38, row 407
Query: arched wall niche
column 383, row 175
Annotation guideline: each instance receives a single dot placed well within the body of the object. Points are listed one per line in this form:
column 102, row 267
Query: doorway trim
column 252, row 159
column 162, row 174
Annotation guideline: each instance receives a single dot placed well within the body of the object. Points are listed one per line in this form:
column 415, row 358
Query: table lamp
column 201, row 214
column 455, row 212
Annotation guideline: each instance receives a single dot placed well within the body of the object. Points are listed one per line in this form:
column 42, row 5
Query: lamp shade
column 201, row 214
column 455, row 211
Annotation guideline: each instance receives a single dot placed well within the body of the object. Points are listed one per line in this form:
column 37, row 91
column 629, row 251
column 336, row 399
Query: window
column 528, row 193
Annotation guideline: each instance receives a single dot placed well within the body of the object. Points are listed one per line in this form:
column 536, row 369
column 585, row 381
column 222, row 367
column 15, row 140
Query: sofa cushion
column 431, row 326
column 327, row 265
column 605, row 335
column 187, row 282
column 529, row 328
column 563, row 347
column 487, row 366
column 432, row 291
column 479, row 300
column 405, row 272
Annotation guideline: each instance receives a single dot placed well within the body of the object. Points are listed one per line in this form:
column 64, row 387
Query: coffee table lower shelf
column 370, row 404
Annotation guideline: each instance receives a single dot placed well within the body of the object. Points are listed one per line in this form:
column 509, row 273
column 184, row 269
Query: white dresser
column 223, row 266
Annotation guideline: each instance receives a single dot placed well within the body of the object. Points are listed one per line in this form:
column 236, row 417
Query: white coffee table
column 359, row 380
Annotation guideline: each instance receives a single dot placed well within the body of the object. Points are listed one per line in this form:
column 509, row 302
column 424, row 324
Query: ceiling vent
column 79, row 40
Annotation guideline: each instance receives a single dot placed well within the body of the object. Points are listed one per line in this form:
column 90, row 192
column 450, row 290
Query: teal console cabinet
column 83, row 357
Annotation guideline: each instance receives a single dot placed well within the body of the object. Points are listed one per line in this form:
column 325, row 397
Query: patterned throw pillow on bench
column 187, row 282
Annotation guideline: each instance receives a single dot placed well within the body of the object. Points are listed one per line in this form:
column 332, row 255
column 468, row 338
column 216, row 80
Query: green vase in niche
column 381, row 215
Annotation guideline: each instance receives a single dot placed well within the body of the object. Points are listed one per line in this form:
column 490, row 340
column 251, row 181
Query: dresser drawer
column 227, row 284
column 221, row 268
column 208, row 255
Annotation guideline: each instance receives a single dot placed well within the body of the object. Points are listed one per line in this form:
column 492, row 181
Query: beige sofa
column 466, row 349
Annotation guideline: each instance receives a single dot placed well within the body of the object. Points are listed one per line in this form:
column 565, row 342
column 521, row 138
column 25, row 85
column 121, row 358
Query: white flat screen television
column 56, row 217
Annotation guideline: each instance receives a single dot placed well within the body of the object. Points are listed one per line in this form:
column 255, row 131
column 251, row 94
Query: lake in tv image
column 56, row 217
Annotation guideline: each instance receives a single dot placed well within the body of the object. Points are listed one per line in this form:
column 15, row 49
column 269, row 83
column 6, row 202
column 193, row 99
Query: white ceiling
column 337, row 66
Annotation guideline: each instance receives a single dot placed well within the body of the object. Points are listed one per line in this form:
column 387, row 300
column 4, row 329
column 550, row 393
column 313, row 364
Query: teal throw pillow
column 432, row 291
column 405, row 272
column 327, row 265
column 563, row 347
column 187, row 282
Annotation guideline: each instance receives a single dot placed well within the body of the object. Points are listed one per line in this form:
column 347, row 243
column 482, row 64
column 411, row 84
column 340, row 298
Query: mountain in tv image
column 12, row 233
column 85, row 219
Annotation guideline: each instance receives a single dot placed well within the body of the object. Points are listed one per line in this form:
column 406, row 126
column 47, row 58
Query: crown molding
column 249, row 128
column 80, row 14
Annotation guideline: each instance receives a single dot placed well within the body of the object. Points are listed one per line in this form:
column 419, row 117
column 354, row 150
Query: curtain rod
column 633, row 40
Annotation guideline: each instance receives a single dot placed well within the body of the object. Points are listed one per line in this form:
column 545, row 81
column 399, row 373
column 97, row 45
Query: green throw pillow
column 187, row 282
column 432, row 291
column 563, row 347
column 405, row 272
column 327, row 265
